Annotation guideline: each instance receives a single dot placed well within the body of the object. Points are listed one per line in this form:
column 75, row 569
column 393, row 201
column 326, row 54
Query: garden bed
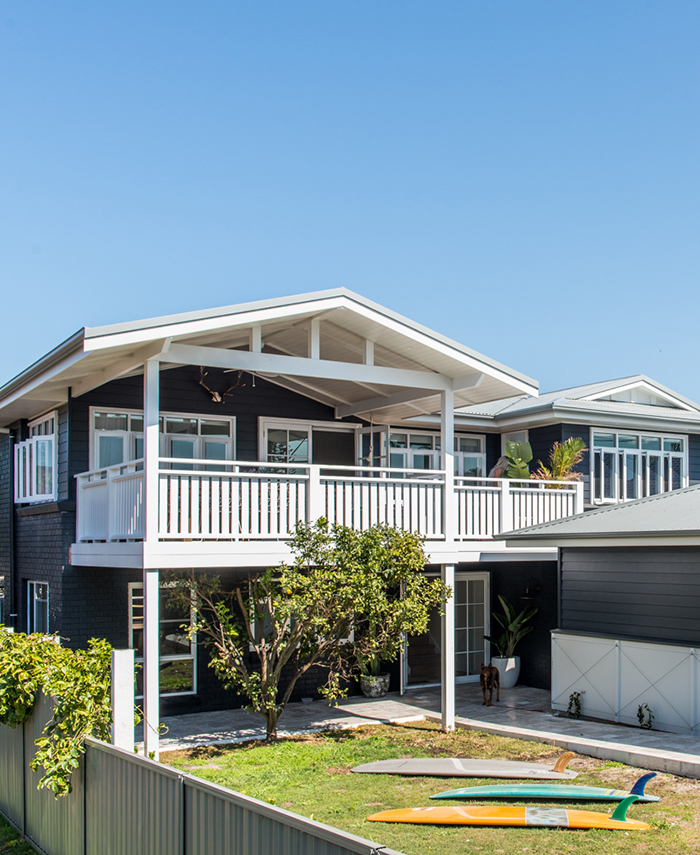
column 311, row 776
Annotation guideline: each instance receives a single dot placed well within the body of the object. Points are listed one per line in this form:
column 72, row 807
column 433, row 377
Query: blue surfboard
column 550, row 792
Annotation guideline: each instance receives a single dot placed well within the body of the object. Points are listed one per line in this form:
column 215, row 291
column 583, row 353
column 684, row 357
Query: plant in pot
column 514, row 630
column 373, row 682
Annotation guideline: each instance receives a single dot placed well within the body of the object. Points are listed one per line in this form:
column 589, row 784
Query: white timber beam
column 447, row 688
column 368, row 352
column 120, row 367
column 405, row 396
column 297, row 366
column 467, row 381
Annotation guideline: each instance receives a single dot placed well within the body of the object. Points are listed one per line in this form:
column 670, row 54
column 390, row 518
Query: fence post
column 123, row 699
column 506, row 506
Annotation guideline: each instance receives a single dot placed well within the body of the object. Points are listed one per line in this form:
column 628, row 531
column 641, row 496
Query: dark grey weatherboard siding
column 633, row 592
column 180, row 392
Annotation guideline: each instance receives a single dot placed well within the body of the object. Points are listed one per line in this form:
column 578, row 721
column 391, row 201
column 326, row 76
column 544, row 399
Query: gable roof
column 592, row 400
column 667, row 515
column 346, row 320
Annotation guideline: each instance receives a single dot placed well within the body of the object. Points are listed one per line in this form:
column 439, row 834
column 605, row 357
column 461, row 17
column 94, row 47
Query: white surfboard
column 466, row 767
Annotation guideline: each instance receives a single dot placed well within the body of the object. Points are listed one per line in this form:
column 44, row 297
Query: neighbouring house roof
column 346, row 320
column 627, row 400
column 665, row 517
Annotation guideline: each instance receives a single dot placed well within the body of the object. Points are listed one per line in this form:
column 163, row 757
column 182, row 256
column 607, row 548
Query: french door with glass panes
column 421, row 660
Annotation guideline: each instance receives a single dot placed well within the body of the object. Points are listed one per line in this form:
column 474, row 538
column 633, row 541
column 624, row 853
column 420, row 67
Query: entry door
column 471, row 624
column 422, row 663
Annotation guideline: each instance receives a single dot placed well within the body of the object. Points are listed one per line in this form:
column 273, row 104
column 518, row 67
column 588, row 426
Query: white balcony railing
column 200, row 500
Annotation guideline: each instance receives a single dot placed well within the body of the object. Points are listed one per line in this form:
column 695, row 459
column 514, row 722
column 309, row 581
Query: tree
column 339, row 601
column 562, row 459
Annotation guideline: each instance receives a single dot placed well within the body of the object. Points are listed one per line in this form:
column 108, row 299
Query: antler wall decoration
column 218, row 397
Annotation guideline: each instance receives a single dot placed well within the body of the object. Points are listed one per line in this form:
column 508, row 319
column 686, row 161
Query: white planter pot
column 508, row 670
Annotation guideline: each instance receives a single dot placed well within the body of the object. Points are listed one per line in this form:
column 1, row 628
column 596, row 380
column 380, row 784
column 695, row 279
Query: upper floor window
column 36, row 461
column 421, row 450
column 627, row 466
column 117, row 437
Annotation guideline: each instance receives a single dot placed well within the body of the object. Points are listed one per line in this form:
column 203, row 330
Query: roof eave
column 36, row 369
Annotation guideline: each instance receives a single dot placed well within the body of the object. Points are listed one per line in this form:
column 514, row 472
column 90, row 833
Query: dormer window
column 627, row 466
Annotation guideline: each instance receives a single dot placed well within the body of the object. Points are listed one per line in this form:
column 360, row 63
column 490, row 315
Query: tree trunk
column 271, row 717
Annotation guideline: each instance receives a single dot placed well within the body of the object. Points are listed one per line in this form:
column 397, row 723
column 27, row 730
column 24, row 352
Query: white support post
column 123, row 699
column 447, row 693
column 315, row 504
column 368, row 355
column 255, row 341
column 151, row 663
column 447, row 446
column 578, row 500
column 151, row 450
column 151, row 577
column 506, row 506
column 315, row 339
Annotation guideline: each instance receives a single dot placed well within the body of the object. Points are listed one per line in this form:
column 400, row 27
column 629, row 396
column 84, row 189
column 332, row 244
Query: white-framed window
column 178, row 655
column 38, row 607
column 514, row 436
column 416, row 449
column 117, row 437
column 297, row 441
column 36, row 462
column 628, row 465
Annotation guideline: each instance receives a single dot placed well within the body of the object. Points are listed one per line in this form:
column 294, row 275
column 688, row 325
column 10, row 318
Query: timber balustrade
column 242, row 500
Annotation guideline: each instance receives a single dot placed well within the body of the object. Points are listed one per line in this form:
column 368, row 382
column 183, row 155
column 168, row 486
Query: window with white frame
column 38, row 607
column 627, row 465
column 117, row 437
column 421, row 450
column 295, row 441
column 36, row 462
column 515, row 436
column 177, row 661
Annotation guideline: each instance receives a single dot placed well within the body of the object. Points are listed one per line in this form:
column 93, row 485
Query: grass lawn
column 311, row 776
column 10, row 842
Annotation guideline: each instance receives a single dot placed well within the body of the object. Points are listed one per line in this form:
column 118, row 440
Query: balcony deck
column 242, row 513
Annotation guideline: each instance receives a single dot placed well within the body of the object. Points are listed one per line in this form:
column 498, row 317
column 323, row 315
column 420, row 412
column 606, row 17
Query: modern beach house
column 199, row 440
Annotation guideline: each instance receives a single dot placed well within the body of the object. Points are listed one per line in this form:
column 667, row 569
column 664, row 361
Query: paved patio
column 523, row 713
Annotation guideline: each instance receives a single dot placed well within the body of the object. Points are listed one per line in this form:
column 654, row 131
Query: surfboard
column 465, row 767
column 551, row 792
column 513, row 816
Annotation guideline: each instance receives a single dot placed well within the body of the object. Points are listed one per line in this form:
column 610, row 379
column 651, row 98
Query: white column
column 447, row 694
column 151, row 656
column 368, row 354
column 151, row 577
column 315, row 339
column 447, row 445
column 578, row 501
column 123, row 699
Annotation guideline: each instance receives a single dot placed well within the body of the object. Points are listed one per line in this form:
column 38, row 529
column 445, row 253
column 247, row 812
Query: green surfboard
column 551, row 792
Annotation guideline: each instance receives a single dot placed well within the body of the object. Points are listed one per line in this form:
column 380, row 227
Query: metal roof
column 668, row 514
column 346, row 319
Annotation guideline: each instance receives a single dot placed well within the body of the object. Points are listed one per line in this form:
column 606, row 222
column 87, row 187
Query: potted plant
column 507, row 662
column 373, row 683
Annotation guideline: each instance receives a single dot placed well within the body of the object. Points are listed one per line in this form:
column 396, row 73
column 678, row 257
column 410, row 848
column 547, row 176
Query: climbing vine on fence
column 78, row 681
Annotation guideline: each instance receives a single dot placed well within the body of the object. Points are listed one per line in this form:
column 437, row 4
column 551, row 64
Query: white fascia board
column 648, row 387
column 26, row 390
column 238, row 320
column 120, row 367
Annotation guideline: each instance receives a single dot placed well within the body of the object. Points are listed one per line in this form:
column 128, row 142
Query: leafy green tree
column 337, row 604
column 78, row 681
column 563, row 457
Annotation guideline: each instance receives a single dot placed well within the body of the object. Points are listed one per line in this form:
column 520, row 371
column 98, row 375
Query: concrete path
column 522, row 713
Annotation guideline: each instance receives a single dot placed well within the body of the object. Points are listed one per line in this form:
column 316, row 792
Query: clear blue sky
column 521, row 176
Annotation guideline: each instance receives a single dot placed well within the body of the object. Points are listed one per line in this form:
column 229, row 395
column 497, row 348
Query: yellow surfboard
column 514, row 816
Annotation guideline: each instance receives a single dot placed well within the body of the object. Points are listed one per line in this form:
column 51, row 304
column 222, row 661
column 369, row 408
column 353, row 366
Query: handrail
column 513, row 483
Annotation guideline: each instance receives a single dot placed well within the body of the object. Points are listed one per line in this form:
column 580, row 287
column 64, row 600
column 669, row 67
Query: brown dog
column 489, row 679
